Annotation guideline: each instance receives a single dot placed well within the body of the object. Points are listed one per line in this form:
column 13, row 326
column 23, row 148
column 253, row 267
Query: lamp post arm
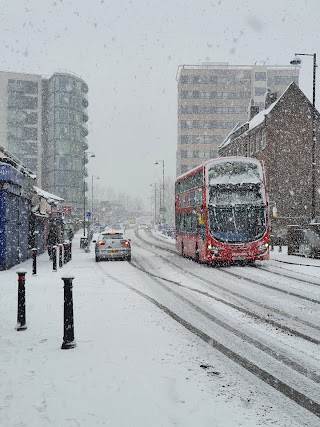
column 304, row 54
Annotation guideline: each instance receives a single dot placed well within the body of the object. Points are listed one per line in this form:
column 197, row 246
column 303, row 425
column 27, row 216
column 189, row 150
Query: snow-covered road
column 136, row 365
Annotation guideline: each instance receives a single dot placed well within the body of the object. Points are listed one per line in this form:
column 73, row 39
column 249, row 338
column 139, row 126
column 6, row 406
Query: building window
column 282, row 80
column 260, row 76
column 30, row 133
column 259, row 91
column 251, row 144
column 257, row 142
column 263, row 139
column 23, row 86
column 184, row 168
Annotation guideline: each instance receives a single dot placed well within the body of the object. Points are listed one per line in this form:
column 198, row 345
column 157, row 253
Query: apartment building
column 43, row 123
column 214, row 97
column 65, row 102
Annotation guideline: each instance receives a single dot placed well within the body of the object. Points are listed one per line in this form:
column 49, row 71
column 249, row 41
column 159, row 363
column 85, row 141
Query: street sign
column 88, row 214
column 67, row 210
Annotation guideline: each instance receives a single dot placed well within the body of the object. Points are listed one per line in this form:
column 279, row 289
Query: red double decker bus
column 222, row 212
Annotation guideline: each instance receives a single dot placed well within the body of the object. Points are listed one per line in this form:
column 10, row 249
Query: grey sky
column 128, row 53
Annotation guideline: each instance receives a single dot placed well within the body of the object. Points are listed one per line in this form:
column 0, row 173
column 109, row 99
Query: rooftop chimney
column 253, row 110
column 270, row 98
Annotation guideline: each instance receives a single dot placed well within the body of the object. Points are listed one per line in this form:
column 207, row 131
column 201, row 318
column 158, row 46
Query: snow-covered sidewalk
column 133, row 365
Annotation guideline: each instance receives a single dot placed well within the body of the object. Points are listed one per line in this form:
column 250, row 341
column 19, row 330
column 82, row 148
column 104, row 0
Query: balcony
column 84, row 132
column 85, row 117
column 84, row 103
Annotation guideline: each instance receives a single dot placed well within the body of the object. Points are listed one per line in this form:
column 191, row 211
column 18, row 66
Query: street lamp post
column 84, row 190
column 96, row 177
column 297, row 61
column 162, row 208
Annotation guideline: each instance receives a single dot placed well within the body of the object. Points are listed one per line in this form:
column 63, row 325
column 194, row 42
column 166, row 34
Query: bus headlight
column 263, row 247
column 213, row 248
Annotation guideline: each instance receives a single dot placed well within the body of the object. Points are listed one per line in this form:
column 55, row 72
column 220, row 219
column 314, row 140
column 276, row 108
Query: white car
column 112, row 245
column 144, row 226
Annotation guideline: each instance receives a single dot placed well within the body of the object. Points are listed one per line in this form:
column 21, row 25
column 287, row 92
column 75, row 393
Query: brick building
column 281, row 137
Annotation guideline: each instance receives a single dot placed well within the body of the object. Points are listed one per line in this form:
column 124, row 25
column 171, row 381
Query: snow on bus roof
column 218, row 160
column 250, row 175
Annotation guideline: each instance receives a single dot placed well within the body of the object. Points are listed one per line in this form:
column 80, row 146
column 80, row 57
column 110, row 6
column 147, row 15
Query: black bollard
column 65, row 252
column 280, row 245
column 54, row 258
column 60, row 254
column 68, row 335
column 34, row 261
column 70, row 251
column 21, row 315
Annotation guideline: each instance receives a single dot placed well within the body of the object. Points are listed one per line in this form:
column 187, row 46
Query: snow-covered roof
column 47, row 195
column 256, row 120
column 8, row 157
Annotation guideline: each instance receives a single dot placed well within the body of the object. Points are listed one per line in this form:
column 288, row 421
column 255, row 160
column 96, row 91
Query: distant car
column 116, row 227
column 145, row 226
column 112, row 245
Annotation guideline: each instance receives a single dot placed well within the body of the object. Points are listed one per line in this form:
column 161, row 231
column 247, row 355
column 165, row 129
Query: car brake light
column 101, row 243
column 125, row 242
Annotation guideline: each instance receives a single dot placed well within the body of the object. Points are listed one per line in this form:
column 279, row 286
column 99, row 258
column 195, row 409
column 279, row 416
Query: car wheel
column 97, row 259
column 128, row 258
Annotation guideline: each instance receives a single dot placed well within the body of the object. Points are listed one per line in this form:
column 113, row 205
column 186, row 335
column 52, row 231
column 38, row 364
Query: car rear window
column 112, row 236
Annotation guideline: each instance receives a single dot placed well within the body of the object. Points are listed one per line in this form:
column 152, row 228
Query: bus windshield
column 241, row 223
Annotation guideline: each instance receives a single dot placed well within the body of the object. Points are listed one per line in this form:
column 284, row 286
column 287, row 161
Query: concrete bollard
column 54, row 258
column 60, row 254
column 21, row 314
column 34, row 261
column 68, row 335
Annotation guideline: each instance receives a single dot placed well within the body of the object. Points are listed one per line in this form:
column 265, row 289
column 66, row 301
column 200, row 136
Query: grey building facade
column 21, row 118
column 214, row 97
column 43, row 122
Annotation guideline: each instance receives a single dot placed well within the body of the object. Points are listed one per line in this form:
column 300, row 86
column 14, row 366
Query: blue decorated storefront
column 14, row 217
